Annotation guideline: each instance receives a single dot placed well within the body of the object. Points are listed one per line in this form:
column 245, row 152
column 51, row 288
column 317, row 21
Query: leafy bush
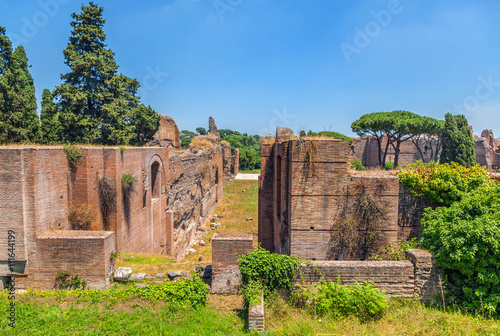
column 332, row 299
column 272, row 270
column 356, row 165
column 128, row 179
column 421, row 164
column 64, row 280
column 444, row 184
column 390, row 166
column 252, row 292
column 73, row 153
column 336, row 135
column 465, row 238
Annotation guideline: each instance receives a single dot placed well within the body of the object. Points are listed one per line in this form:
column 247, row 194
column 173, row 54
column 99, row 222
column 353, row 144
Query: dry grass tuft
column 81, row 217
column 201, row 143
column 268, row 140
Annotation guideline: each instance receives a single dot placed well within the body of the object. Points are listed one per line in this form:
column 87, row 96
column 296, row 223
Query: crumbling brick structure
column 231, row 162
column 174, row 193
column 365, row 150
column 313, row 207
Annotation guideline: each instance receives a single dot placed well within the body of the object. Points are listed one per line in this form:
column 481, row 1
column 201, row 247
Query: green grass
column 253, row 171
column 132, row 318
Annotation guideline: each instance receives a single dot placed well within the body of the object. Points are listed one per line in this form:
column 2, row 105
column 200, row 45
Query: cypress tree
column 49, row 117
column 18, row 118
column 95, row 104
column 457, row 140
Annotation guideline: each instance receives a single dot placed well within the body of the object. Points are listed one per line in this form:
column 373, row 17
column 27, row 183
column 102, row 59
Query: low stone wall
column 396, row 278
column 226, row 249
column 87, row 253
column 256, row 316
column 428, row 277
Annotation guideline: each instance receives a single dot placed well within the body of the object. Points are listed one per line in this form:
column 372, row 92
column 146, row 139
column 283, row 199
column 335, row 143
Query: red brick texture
column 226, row 249
column 305, row 186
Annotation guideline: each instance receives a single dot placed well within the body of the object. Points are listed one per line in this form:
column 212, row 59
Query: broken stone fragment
column 173, row 274
column 137, row 276
column 160, row 275
column 199, row 268
column 122, row 273
column 202, row 243
column 249, row 219
column 192, row 250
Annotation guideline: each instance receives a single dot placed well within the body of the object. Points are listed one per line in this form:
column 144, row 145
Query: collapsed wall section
column 195, row 185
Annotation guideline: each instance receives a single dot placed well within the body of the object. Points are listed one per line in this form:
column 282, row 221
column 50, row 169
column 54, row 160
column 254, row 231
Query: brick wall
column 167, row 134
column 226, row 249
column 410, row 213
column 84, row 252
column 428, row 277
column 306, row 191
column 396, row 278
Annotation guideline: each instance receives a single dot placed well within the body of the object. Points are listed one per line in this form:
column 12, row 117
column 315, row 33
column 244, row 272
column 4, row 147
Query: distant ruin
column 366, row 151
column 138, row 199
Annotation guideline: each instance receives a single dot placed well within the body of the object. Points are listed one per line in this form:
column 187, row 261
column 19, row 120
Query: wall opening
column 155, row 181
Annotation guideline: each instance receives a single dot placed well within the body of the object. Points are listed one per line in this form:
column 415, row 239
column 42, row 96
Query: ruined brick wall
column 306, row 191
column 167, row 134
column 428, row 277
column 195, row 185
column 231, row 163
column 396, row 278
column 87, row 253
column 226, row 249
column 410, row 213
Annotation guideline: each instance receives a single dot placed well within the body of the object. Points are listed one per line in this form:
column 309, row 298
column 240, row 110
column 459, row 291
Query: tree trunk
column 396, row 155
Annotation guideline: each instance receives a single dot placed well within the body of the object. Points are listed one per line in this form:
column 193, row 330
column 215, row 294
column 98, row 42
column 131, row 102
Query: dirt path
column 241, row 176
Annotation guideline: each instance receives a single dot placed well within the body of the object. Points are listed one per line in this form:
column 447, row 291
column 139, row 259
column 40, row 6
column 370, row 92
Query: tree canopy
column 95, row 104
column 19, row 121
column 458, row 143
column 396, row 126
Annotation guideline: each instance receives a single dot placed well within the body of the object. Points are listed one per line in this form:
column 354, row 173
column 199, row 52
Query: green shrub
column 333, row 299
column 444, row 184
column 336, row 135
column 64, row 280
column 73, row 153
column 390, row 166
column 465, row 239
column 420, row 164
column 396, row 252
column 272, row 270
column 356, row 165
column 128, row 179
column 252, row 292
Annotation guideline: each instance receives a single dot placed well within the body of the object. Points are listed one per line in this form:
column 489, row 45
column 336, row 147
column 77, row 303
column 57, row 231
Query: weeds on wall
column 65, row 281
column 107, row 200
column 128, row 186
column 81, row 217
column 73, row 154
column 360, row 222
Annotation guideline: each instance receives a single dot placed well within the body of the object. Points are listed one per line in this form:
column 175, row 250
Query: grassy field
column 254, row 171
column 238, row 204
column 224, row 314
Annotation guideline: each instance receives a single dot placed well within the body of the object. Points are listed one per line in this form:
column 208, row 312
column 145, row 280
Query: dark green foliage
column 272, row 270
column 302, row 133
column 249, row 149
column 19, row 121
column 334, row 300
column 465, row 238
column 458, row 143
column 49, row 117
column 95, row 103
column 356, row 165
column 186, row 137
column 64, row 280
column 201, row 131
column 444, row 184
column 146, row 122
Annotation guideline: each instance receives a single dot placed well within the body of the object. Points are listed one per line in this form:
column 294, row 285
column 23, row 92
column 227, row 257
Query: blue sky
column 254, row 65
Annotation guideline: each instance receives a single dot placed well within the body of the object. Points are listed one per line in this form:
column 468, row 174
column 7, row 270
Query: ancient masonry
column 365, row 150
column 174, row 192
column 310, row 203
